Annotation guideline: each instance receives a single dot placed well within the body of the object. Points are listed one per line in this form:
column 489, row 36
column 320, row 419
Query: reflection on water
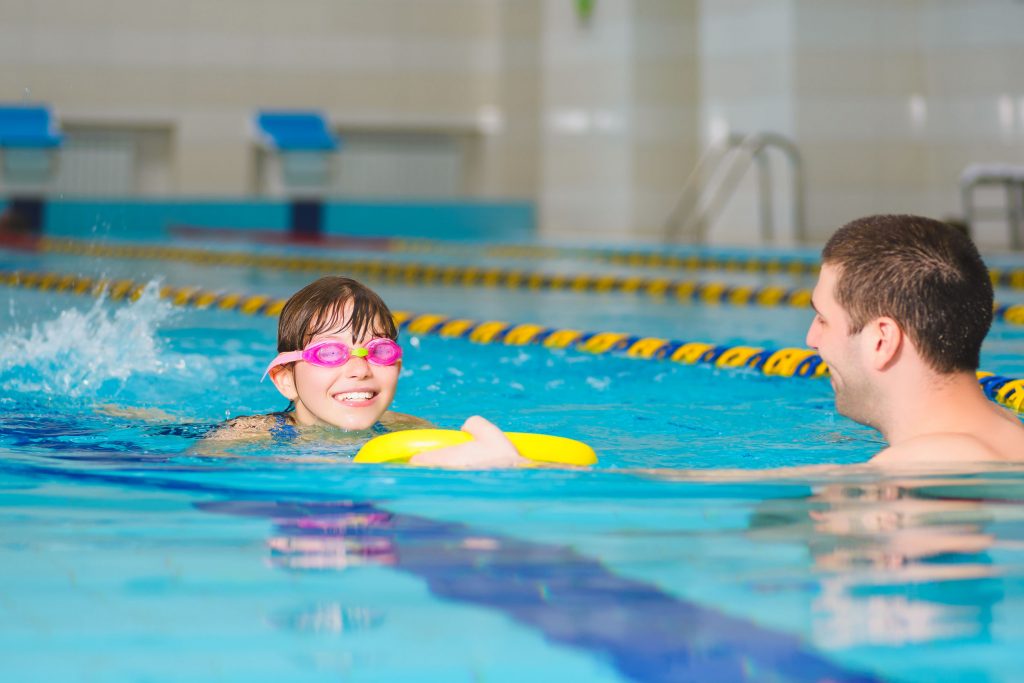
column 332, row 542
column 331, row 618
column 906, row 561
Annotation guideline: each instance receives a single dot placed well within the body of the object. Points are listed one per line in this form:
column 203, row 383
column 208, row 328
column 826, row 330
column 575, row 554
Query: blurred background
column 605, row 121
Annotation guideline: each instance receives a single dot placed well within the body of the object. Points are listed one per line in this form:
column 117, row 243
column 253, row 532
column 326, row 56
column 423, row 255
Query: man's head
column 922, row 273
column 886, row 278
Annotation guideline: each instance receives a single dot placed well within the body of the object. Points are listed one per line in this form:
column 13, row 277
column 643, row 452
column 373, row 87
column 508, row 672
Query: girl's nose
column 357, row 366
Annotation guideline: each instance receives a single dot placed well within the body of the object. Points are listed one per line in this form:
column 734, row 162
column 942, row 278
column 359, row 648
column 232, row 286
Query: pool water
column 129, row 554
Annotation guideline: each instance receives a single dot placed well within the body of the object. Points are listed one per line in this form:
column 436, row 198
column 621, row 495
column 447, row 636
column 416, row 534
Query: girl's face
column 352, row 396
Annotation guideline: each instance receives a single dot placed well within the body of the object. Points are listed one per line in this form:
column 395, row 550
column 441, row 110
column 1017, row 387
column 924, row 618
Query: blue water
column 127, row 555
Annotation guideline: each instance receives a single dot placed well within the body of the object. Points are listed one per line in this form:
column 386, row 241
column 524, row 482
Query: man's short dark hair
column 924, row 274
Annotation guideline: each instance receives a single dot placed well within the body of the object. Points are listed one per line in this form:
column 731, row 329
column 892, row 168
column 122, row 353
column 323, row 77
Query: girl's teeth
column 357, row 396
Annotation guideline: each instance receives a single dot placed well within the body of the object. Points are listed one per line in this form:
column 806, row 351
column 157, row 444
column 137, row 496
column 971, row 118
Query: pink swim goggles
column 332, row 354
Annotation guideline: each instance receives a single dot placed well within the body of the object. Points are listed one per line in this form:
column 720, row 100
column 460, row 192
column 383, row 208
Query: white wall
column 618, row 115
column 598, row 121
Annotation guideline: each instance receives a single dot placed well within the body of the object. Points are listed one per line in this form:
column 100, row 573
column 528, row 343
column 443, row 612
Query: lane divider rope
column 1011, row 277
column 637, row 258
column 785, row 362
column 622, row 257
column 469, row 276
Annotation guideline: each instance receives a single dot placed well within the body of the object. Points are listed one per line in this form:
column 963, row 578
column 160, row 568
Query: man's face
column 830, row 335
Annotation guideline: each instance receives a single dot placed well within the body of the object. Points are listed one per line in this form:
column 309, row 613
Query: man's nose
column 812, row 334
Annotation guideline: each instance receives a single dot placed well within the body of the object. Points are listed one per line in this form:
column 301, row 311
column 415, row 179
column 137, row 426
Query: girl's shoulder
column 246, row 427
column 399, row 421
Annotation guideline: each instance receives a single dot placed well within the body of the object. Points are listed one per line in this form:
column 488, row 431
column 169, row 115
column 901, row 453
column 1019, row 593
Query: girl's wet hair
column 319, row 308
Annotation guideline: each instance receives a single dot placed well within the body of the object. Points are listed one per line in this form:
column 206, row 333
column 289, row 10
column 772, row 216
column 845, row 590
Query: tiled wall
column 746, row 87
column 599, row 120
column 586, row 110
column 619, row 117
column 888, row 101
column 202, row 67
column 666, row 110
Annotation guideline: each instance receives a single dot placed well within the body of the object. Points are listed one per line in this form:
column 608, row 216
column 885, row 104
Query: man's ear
column 886, row 340
column 283, row 378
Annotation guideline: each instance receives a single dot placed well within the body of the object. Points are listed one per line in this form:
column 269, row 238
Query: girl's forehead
column 334, row 317
column 339, row 335
column 337, row 324
column 331, row 328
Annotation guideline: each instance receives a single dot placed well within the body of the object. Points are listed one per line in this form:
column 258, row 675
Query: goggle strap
column 281, row 359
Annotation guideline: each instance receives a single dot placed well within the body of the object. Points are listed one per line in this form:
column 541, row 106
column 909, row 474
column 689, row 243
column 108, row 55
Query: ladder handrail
column 740, row 163
column 746, row 150
column 707, row 164
column 1011, row 178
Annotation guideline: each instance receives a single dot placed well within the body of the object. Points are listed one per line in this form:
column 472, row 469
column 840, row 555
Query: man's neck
column 934, row 405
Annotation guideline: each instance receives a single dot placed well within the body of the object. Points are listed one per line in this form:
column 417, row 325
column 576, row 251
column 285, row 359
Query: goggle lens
column 383, row 352
column 329, row 354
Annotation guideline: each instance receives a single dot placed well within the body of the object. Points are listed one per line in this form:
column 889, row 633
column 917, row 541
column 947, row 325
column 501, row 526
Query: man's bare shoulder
column 946, row 448
column 244, row 427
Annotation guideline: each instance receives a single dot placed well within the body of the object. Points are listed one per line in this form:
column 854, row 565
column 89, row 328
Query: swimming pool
column 125, row 555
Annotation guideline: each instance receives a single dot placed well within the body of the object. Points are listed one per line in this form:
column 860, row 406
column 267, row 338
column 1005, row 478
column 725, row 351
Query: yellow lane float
column 399, row 447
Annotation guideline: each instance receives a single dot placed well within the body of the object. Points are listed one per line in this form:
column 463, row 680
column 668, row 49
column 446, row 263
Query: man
column 901, row 308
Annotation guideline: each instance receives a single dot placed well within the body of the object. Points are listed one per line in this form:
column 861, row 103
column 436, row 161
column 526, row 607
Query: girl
column 338, row 365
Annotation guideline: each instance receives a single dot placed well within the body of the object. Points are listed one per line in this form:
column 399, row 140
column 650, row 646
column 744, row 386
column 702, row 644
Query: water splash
column 90, row 353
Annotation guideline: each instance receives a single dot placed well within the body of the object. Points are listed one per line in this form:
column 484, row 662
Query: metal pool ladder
column 1011, row 178
column 717, row 176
